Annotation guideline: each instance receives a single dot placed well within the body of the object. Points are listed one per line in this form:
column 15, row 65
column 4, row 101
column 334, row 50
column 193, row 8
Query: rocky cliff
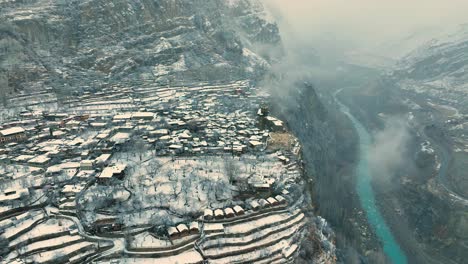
column 55, row 48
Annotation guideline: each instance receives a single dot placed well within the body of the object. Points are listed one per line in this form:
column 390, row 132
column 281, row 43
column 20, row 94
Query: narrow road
column 444, row 158
column 119, row 243
column 442, row 150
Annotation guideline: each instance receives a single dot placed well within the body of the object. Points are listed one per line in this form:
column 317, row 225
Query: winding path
column 118, row 243
column 444, row 158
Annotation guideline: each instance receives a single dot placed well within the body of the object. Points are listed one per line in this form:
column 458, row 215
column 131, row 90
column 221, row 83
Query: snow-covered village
column 233, row 131
column 199, row 173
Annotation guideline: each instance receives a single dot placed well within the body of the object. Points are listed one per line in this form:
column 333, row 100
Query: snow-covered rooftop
column 11, row 131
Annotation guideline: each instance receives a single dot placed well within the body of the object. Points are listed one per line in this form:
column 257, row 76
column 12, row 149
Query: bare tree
column 140, row 147
column 174, row 190
column 231, row 169
column 187, row 187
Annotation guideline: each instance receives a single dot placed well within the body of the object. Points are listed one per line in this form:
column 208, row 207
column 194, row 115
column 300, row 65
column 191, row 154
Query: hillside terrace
column 145, row 166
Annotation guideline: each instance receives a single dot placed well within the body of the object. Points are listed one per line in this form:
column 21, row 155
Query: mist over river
column 366, row 193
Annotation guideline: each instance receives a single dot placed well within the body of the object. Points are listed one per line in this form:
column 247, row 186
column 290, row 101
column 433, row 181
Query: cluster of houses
column 255, row 205
column 68, row 152
column 57, row 143
column 182, row 230
column 228, row 212
column 267, row 203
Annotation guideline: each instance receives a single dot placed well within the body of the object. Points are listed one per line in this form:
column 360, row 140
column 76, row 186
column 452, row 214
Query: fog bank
column 384, row 28
column 388, row 151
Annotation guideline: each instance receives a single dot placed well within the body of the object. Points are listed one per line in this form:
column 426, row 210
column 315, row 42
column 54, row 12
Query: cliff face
column 73, row 44
column 53, row 47
column 328, row 150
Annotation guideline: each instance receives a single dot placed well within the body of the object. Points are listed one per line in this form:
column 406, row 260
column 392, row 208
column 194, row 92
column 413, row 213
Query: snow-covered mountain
column 73, row 44
column 389, row 52
column 438, row 69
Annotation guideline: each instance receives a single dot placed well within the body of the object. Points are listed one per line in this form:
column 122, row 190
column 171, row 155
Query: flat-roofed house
column 120, row 138
column 255, row 205
column 112, row 172
column 23, row 158
column 41, row 161
column 229, row 212
column 280, row 199
column 86, row 173
column 12, row 194
column 159, row 132
column 183, row 230
column 122, row 117
column 263, row 203
column 272, row 201
column 55, row 116
column 143, row 115
column 53, row 170
column 98, row 125
column 87, row 165
column 194, row 228
column 275, row 124
column 208, row 214
column 177, row 148
column 239, row 210
column 255, row 144
column 71, row 189
column 173, row 232
column 219, row 214
column 103, row 159
column 70, row 168
column 261, row 186
column 107, row 224
column 210, row 228
column 12, row 134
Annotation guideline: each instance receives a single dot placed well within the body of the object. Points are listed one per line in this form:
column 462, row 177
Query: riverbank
column 399, row 225
column 366, row 193
column 386, row 193
column 330, row 154
column 418, row 218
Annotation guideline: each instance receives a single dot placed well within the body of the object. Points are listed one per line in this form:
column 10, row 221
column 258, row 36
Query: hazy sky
column 367, row 23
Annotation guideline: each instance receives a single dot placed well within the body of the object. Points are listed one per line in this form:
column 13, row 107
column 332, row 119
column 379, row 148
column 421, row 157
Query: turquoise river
column 366, row 193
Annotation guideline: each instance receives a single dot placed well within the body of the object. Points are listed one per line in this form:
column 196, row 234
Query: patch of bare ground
column 281, row 140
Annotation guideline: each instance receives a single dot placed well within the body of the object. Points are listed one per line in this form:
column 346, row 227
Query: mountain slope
column 438, row 69
column 429, row 91
column 70, row 45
